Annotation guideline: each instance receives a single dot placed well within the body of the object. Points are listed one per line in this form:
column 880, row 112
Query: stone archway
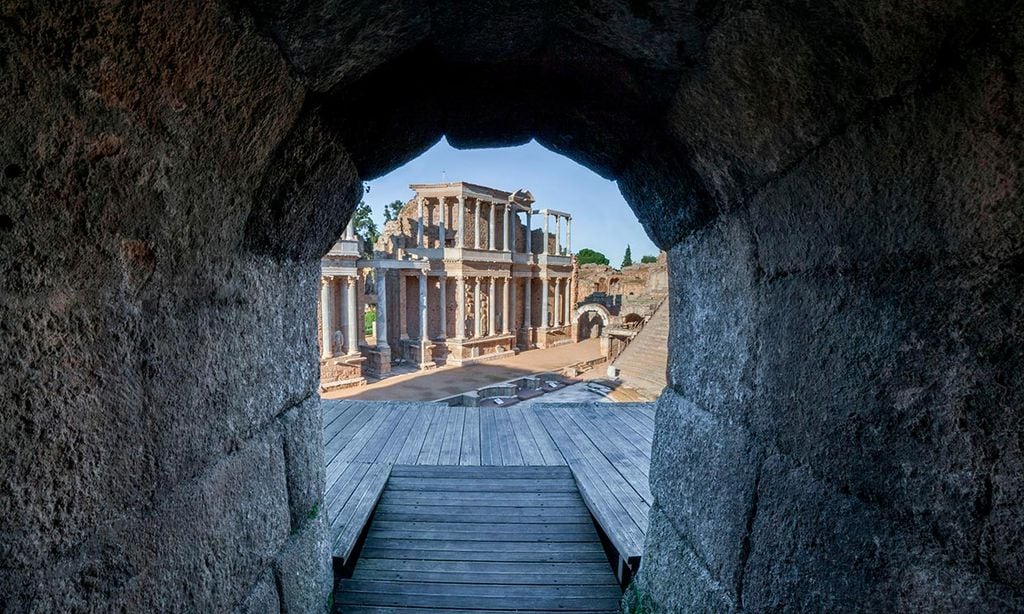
column 840, row 205
column 585, row 326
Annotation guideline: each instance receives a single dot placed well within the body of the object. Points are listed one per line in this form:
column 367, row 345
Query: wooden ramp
column 492, row 539
column 607, row 446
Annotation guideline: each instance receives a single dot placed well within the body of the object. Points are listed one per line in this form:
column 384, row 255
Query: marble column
column 403, row 302
column 491, row 311
column 490, row 227
column 353, row 313
column 529, row 232
column 442, row 304
column 382, row 308
column 556, row 315
column 419, row 231
column 440, row 223
column 460, row 307
column 506, row 314
column 558, row 235
column 547, row 233
column 568, row 235
column 527, row 304
column 325, row 318
column 424, row 333
column 462, row 222
column 477, row 312
column 476, row 224
column 544, row 302
column 506, row 241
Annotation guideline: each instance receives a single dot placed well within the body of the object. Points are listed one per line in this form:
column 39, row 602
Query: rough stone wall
column 147, row 465
column 843, row 425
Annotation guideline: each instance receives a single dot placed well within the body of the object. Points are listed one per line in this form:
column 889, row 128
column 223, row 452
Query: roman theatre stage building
column 460, row 276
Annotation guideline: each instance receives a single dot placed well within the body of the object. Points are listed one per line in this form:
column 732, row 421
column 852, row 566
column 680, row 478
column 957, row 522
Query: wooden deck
column 456, row 538
column 606, row 446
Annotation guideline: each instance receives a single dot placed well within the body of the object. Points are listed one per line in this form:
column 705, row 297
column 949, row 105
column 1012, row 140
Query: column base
column 378, row 360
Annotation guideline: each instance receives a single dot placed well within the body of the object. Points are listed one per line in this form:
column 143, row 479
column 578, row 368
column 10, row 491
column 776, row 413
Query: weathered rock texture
column 838, row 184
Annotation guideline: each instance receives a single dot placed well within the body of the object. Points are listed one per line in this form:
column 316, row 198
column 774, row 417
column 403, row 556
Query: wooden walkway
column 607, row 447
column 456, row 538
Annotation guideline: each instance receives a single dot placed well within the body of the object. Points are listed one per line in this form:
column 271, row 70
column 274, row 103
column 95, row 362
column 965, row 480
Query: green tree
column 589, row 256
column 392, row 209
column 648, row 259
column 627, row 260
column 365, row 227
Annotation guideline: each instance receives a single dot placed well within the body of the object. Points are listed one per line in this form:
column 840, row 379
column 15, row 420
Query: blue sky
column 601, row 219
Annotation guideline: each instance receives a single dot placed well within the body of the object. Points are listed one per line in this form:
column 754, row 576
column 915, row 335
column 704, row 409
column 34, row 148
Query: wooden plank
column 545, row 444
column 609, row 512
column 493, row 473
column 525, row 515
column 377, row 414
column 414, row 443
column 357, row 512
column 470, row 452
column 510, row 454
column 451, row 444
column 490, row 454
column 498, row 547
column 453, row 485
column 435, row 433
column 453, row 530
column 483, row 499
column 371, row 609
column 524, row 437
column 389, row 451
column 375, row 443
column 626, row 459
column 339, row 492
column 483, row 566
column 503, row 555
column 341, row 440
column 476, row 576
column 436, row 595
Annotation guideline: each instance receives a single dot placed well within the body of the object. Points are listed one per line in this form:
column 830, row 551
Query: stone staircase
column 644, row 362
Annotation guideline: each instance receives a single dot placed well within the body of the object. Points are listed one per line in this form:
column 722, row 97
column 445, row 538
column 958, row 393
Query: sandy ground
column 446, row 381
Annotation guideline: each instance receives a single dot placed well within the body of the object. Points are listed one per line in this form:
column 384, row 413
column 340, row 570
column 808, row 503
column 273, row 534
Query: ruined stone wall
column 145, row 310
column 841, row 430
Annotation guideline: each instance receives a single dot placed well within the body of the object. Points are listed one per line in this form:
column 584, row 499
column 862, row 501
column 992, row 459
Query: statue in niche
column 483, row 314
column 338, row 345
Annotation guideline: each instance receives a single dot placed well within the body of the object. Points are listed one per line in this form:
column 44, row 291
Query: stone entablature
column 462, row 276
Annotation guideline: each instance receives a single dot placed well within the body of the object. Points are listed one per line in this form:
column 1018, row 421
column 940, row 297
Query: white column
column 442, row 304
column 556, row 317
column 424, row 333
column 506, row 241
column 353, row 343
column 505, row 311
column 325, row 317
column 476, row 308
column 403, row 302
column 350, row 228
column 462, row 222
column 568, row 234
column 460, row 307
column 440, row 223
column 419, row 231
column 558, row 235
column 382, row 308
column 491, row 311
column 528, row 303
column 544, row 302
column 490, row 227
column 476, row 224
column 529, row 232
column 547, row 233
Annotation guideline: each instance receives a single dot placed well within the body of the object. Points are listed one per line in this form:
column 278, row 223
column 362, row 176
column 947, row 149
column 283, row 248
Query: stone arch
column 820, row 231
column 596, row 309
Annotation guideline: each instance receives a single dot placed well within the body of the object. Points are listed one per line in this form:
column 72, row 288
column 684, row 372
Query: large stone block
column 814, row 548
column 672, row 578
column 304, row 458
column 303, row 569
column 898, row 394
column 704, row 478
column 263, row 598
column 712, row 341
